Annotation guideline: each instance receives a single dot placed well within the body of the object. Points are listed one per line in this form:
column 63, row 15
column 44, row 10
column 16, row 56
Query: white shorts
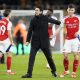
column 5, row 46
column 52, row 42
column 71, row 45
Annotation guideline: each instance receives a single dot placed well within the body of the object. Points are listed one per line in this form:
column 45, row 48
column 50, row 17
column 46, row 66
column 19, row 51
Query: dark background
column 30, row 4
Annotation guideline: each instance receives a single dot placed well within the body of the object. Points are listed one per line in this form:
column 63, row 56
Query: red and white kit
column 5, row 43
column 72, row 25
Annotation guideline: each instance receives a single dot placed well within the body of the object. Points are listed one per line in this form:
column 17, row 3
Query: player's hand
column 12, row 43
column 76, row 34
column 51, row 37
column 27, row 43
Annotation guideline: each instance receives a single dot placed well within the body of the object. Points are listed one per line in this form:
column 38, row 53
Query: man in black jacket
column 38, row 33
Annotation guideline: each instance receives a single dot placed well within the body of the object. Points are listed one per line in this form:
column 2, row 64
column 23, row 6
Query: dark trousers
column 2, row 60
column 19, row 40
column 21, row 48
column 48, row 56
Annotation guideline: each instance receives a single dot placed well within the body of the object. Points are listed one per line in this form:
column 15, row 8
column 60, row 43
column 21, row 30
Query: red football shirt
column 72, row 26
column 3, row 29
column 50, row 32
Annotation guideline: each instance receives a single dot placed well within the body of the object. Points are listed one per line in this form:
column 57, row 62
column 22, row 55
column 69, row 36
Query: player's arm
column 53, row 27
column 62, row 25
column 59, row 29
column 78, row 33
column 10, row 36
column 54, row 21
column 9, row 32
column 29, row 33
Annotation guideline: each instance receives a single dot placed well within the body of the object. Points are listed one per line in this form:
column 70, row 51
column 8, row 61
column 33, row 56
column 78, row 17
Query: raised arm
column 51, row 20
column 59, row 29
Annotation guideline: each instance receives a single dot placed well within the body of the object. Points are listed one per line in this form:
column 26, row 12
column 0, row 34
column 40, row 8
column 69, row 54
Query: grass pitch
column 40, row 72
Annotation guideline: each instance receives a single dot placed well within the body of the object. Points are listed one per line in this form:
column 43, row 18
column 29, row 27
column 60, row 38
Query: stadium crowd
column 30, row 4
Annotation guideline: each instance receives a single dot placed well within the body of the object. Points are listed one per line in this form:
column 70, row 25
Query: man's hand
column 57, row 31
column 12, row 43
column 76, row 34
column 27, row 43
column 51, row 37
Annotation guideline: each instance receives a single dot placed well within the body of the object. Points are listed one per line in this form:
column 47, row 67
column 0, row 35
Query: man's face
column 49, row 13
column 37, row 11
column 71, row 11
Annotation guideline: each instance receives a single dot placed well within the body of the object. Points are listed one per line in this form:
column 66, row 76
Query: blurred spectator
column 19, row 40
column 31, row 4
column 23, row 4
column 20, row 34
column 44, row 2
column 37, row 3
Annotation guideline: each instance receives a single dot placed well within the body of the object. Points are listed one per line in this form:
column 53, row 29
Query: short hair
column 6, row 12
column 40, row 7
column 71, row 6
column 51, row 10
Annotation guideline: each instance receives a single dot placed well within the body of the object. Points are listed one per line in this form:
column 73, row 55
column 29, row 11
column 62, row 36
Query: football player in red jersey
column 72, row 25
column 2, row 61
column 51, row 30
column 6, row 40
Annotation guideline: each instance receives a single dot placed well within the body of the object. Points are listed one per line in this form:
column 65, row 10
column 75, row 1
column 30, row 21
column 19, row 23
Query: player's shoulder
column 65, row 17
column 44, row 16
column 33, row 18
column 4, row 21
column 9, row 23
column 76, row 15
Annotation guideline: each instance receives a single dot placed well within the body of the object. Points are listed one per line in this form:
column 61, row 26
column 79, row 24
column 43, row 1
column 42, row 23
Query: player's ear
column 74, row 10
column 41, row 12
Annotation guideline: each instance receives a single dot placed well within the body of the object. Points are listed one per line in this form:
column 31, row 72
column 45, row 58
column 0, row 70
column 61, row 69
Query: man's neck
column 7, row 18
column 71, row 15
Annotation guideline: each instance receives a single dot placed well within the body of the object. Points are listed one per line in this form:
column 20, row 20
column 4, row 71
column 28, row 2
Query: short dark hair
column 6, row 12
column 71, row 6
column 40, row 7
column 51, row 10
